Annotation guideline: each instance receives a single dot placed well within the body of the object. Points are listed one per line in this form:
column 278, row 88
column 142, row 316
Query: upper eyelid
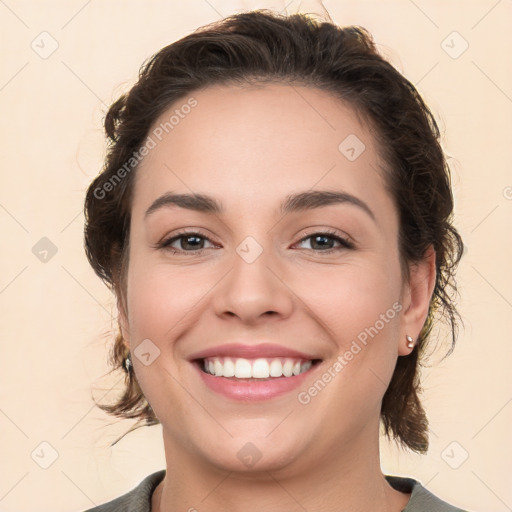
column 332, row 234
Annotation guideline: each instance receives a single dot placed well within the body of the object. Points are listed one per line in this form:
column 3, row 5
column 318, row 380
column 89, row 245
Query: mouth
column 250, row 373
column 259, row 369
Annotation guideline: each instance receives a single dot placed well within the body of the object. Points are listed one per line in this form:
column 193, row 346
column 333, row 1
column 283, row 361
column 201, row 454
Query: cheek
column 360, row 310
column 162, row 298
column 362, row 317
column 352, row 298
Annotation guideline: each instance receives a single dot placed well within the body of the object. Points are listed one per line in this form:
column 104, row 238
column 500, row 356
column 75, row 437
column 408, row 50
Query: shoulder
column 136, row 500
column 421, row 500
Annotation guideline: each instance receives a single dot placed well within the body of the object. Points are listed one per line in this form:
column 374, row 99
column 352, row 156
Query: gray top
column 139, row 498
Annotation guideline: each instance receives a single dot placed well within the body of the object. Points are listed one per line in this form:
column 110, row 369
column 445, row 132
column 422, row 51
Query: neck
column 349, row 480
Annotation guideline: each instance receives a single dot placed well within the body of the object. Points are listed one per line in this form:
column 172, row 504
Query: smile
column 260, row 368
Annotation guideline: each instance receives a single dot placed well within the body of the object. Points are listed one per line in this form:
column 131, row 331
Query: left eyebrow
column 319, row 198
column 308, row 200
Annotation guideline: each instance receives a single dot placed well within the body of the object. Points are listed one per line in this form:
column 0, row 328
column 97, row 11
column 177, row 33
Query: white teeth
column 288, row 368
column 243, row 369
column 305, row 366
column 228, row 370
column 276, row 368
column 260, row 368
column 217, row 367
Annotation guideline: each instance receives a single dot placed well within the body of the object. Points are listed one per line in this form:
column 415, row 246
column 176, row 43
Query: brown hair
column 260, row 47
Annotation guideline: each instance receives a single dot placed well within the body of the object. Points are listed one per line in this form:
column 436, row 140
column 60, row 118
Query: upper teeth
column 254, row 368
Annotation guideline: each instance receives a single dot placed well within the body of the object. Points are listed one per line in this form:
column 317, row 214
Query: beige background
column 57, row 316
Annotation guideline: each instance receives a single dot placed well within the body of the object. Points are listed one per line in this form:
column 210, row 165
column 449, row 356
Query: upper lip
column 262, row 350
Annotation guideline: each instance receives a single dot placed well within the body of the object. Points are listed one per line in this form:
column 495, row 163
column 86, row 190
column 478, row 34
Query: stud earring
column 127, row 364
column 410, row 342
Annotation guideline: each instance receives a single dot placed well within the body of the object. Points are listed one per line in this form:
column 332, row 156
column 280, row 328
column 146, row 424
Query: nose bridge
column 253, row 288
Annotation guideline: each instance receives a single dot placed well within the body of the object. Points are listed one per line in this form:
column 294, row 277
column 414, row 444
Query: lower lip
column 254, row 389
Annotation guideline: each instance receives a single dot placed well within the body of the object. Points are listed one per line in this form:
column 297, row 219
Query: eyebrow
column 308, row 200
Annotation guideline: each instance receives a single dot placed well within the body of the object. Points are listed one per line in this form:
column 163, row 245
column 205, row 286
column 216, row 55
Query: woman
column 274, row 217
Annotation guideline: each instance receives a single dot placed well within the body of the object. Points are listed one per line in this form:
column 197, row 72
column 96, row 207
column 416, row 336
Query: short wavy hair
column 260, row 47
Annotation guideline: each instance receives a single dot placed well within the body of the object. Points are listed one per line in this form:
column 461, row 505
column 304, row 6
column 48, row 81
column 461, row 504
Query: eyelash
column 165, row 244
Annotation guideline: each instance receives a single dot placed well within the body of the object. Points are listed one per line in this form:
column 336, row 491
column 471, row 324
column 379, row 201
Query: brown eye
column 185, row 242
column 326, row 242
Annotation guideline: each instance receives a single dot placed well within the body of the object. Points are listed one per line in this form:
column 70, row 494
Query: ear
column 416, row 295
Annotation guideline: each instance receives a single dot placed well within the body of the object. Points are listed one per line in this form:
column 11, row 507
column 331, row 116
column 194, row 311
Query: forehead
column 259, row 143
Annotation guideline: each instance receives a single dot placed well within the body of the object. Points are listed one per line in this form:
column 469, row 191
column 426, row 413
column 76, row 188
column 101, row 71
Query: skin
column 249, row 148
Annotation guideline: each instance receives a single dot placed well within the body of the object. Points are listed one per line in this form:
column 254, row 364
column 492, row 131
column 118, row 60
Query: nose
column 252, row 292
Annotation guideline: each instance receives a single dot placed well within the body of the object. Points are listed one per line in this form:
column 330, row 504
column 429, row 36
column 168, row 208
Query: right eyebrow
column 197, row 202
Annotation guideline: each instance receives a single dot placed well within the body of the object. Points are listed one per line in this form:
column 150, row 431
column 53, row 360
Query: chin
column 249, row 455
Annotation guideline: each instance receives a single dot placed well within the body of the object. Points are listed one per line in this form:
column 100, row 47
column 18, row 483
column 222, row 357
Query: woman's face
column 278, row 273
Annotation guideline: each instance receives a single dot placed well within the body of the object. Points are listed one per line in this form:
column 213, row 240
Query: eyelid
column 166, row 241
column 345, row 241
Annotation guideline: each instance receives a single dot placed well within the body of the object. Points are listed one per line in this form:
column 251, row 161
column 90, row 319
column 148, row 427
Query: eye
column 323, row 242
column 187, row 242
column 193, row 242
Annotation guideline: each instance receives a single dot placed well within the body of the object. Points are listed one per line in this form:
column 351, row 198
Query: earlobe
column 417, row 294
